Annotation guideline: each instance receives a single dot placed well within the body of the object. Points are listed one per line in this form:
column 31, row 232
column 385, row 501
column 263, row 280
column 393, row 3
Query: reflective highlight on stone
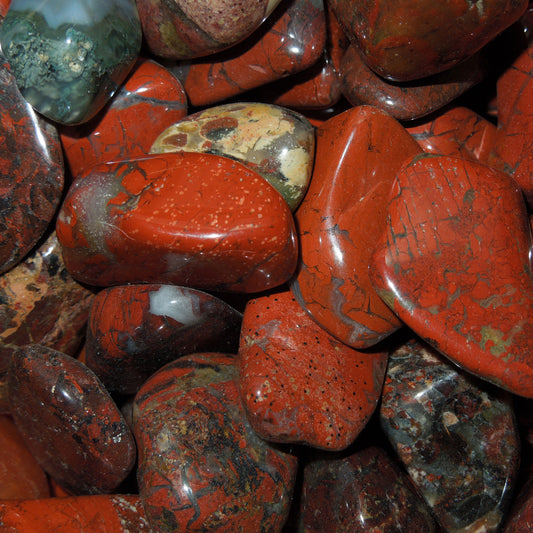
column 69, row 56
column 202, row 467
column 458, row 441
column 275, row 142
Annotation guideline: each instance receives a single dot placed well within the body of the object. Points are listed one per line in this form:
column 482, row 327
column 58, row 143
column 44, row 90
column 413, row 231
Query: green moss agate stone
column 70, row 56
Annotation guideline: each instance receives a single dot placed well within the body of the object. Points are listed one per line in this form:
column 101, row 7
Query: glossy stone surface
column 458, row 441
column 69, row 422
column 405, row 40
column 289, row 42
column 457, row 132
column 150, row 100
column 298, row 383
column 520, row 519
column 201, row 466
column 101, row 513
column 21, row 478
column 453, row 263
column 406, row 101
column 365, row 492
column 358, row 154
column 69, row 56
column 136, row 329
column 4, row 6
column 183, row 29
column 191, row 219
column 30, row 187
column 275, row 142
column 40, row 303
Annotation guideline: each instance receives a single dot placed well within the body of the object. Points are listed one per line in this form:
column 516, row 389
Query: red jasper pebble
column 298, row 383
column 150, row 100
column 21, row 478
column 357, row 156
column 81, row 514
column 520, row 518
column 192, row 219
column 453, row 263
column 69, row 422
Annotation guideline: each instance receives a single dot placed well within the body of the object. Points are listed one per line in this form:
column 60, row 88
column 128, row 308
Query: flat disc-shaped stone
column 30, row 187
column 275, row 142
column 454, row 264
column 458, row 441
column 191, row 219
column 134, row 330
column 298, row 383
column 69, row 422
column 201, row 466
column 340, row 219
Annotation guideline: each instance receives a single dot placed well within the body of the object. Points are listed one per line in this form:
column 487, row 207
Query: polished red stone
column 201, row 466
column 357, row 156
column 95, row 514
column 405, row 40
column 453, row 263
column 405, row 101
column 290, row 41
column 4, row 6
column 31, row 173
column 520, row 518
column 298, row 383
column 191, row 219
column 136, row 329
column 21, row 478
column 150, row 100
column 457, row 132
column 40, row 303
column 69, row 422
column 182, row 29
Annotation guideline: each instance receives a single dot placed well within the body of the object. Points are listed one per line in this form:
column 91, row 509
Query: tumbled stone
column 277, row 143
column 69, row 56
column 457, row 440
column 298, row 383
column 150, row 100
column 457, row 132
column 520, row 517
column 201, row 466
column 21, row 478
column 358, row 155
column 406, row 40
column 290, row 41
column 191, row 219
column 365, row 492
column 454, row 264
column 406, row 101
column 102, row 513
column 69, row 422
column 30, row 187
column 182, row 29
column 40, row 303
column 136, row 329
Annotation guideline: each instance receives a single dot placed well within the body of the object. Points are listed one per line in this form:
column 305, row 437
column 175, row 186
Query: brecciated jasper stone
column 30, row 187
column 340, row 219
column 405, row 40
column 198, row 220
column 182, row 29
column 298, row 383
column 150, row 100
column 276, row 142
column 69, row 422
column 361, row 493
column 102, row 513
column 457, row 132
column 293, row 39
column 136, row 329
column 201, row 466
column 69, row 56
column 454, row 264
column 458, row 441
